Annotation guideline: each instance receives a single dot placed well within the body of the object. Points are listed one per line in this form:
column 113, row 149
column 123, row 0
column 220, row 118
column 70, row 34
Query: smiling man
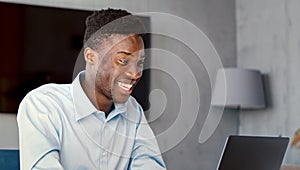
column 93, row 123
column 113, row 76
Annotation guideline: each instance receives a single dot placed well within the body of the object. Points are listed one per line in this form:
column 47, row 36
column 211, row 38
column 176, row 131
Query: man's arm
column 38, row 133
column 146, row 154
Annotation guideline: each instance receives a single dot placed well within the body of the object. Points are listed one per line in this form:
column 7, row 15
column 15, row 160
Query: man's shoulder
column 44, row 102
column 51, row 90
column 49, row 97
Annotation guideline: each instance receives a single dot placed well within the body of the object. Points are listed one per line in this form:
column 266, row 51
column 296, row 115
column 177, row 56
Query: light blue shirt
column 59, row 128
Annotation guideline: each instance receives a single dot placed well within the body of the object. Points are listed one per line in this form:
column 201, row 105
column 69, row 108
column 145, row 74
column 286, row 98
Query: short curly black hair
column 103, row 23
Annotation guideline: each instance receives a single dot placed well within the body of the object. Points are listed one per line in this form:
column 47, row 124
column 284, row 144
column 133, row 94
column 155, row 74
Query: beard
column 103, row 86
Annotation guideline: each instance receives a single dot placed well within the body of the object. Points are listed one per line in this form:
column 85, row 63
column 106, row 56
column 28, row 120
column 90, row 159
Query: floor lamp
column 237, row 88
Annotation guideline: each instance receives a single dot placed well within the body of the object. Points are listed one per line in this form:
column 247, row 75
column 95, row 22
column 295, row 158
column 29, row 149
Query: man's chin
column 121, row 99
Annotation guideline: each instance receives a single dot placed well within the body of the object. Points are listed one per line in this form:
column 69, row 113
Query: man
column 93, row 123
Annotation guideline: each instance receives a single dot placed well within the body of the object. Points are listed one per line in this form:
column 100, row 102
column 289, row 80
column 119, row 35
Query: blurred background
column 40, row 42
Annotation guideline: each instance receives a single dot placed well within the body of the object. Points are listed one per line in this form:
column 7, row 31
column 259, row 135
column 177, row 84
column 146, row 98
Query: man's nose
column 134, row 72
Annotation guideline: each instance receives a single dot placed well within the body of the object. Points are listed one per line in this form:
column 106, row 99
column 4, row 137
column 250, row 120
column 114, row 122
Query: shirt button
column 104, row 154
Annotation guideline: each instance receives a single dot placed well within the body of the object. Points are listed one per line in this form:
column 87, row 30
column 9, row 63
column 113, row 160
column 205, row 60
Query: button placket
column 104, row 149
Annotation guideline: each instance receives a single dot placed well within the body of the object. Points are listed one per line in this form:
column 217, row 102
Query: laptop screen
column 253, row 153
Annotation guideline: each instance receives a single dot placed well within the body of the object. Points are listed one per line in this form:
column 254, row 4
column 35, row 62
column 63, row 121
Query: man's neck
column 104, row 104
column 98, row 100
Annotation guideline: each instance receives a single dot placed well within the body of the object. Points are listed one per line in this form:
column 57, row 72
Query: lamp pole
column 238, row 108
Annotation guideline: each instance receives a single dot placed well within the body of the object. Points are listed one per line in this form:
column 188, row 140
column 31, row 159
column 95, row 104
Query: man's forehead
column 118, row 42
column 124, row 41
column 117, row 38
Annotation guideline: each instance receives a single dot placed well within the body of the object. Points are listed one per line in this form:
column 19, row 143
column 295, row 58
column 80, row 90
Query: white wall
column 8, row 131
column 216, row 19
column 268, row 39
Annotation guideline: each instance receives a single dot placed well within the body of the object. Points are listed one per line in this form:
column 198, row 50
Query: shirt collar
column 84, row 106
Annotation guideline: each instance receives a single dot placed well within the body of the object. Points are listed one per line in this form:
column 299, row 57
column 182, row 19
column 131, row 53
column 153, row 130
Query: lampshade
column 238, row 88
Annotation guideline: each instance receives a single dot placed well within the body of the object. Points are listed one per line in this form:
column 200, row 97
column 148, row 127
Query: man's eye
column 141, row 63
column 123, row 61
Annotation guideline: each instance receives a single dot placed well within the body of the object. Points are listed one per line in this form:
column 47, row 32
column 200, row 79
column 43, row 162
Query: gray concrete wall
column 216, row 18
column 268, row 39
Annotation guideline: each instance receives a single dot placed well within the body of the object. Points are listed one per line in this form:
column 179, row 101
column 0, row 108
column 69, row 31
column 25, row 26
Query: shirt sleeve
column 38, row 132
column 146, row 154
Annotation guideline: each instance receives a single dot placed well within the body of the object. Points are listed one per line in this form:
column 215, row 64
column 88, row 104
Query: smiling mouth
column 125, row 86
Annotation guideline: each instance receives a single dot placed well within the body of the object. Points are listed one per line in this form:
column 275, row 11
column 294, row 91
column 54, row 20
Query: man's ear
column 90, row 56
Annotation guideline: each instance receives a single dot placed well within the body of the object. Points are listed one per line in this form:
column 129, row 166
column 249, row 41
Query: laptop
column 253, row 153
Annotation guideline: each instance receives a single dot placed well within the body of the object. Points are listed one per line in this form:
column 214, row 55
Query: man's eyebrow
column 124, row 52
column 127, row 53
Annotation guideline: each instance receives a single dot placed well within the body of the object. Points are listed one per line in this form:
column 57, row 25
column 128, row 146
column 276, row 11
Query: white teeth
column 125, row 86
